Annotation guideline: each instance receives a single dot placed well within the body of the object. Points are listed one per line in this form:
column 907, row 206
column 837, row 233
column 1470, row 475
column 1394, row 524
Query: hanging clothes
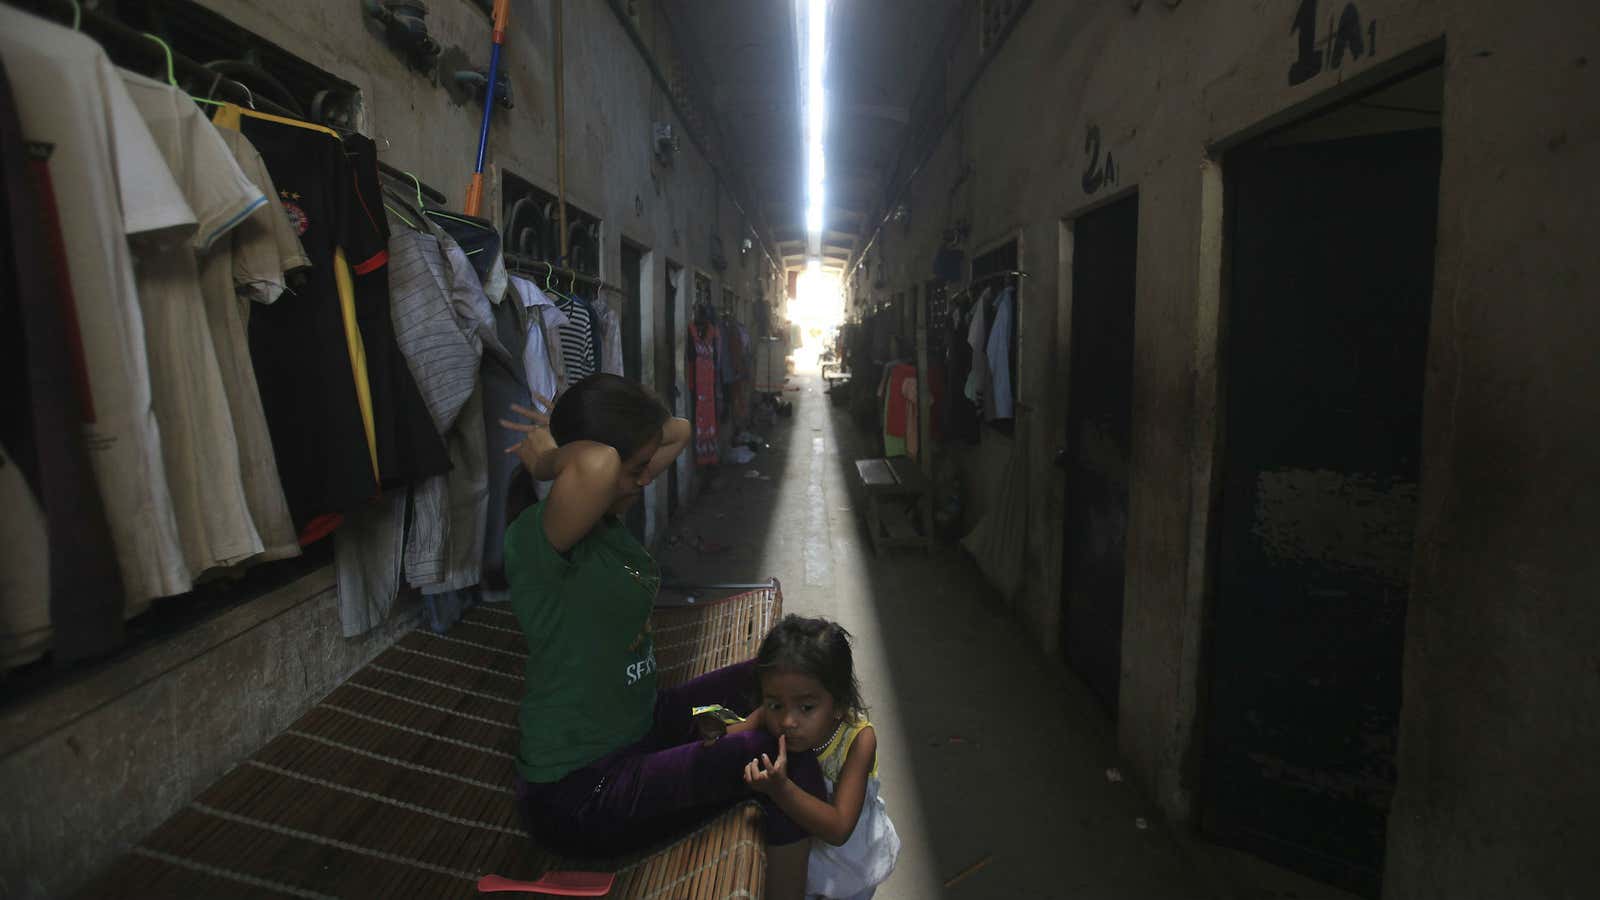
column 65, row 595
column 909, row 393
column 480, row 241
column 408, row 444
column 577, row 338
column 198, row 442
column 251, row 264
column 998, row 402
column 99, row 163
column 610, row 332
column 542, row 356
column 313, row 386
column 703, row 382
column 977, row 384
column 960, row 413
column 433, row 533
column 892, row 407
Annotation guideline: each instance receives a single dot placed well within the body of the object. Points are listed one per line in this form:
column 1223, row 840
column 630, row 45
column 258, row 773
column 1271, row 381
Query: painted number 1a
column 1345, row 34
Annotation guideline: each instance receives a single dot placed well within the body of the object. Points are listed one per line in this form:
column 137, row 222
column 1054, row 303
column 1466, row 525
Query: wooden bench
column 398, row 784
column 896, row 482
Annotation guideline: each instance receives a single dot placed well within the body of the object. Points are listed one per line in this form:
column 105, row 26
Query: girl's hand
column 768, row 777
column 536, row 442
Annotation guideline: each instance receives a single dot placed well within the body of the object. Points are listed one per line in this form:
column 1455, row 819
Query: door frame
column 1209, row 410
column 1209, row 414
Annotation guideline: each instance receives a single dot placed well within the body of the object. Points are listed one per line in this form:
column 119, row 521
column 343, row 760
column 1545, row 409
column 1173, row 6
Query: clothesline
column 536, row 269
column 992, row 276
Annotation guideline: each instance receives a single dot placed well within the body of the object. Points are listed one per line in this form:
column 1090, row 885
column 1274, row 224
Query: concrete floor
column 993, row 756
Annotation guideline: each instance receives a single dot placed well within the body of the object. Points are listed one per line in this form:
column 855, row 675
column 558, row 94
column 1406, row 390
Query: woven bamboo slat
column 398, row 783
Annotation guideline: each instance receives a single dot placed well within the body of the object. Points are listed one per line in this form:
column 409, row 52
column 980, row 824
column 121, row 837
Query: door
column 667, row 370
column 1099, row 444
column 632, row 351
column 632, row 311
column 1331, row 254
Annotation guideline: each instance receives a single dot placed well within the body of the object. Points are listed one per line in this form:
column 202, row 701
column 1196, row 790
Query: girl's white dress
column 855, row 869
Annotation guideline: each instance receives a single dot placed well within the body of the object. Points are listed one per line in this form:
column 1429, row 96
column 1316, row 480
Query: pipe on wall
column 561, row 128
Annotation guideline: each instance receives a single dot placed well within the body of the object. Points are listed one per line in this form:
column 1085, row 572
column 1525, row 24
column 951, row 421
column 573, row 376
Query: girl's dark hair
column 609, row 409
column 815, row 647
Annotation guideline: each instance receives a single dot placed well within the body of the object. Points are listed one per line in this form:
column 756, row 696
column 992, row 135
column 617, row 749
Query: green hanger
column 171, row 78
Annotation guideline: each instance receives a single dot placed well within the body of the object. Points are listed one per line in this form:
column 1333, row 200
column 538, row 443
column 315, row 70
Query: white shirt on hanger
column 198, row 441
column 109, row 182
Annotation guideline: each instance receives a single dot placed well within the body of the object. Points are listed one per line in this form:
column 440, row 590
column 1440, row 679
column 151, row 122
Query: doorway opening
column 632, row 344
column 667, row 368
column 1329, row 230
column 1099, row 444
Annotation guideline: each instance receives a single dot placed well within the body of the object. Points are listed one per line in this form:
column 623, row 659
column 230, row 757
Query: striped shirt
column 577, row 339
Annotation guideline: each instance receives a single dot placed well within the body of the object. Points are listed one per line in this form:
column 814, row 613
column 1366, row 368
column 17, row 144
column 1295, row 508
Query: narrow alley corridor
column 1189, row 406
column 995, row 757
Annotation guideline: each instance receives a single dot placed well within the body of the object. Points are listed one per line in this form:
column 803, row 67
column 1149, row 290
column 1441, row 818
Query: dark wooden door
column 667, row 371
column 1099, row 438
column 632, row 351
column 632, row 315
column 1331, row 256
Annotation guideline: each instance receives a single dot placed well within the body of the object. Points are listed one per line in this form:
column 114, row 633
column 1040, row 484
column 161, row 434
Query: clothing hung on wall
column 65, row 595
column 199, row 446
column 998, row 402
column 444, row 322
column 703, row 384
column 609, row 330
column 577, row 338
column 960, row 415
column 108, row 180
column 301, row 345
column 252, row 263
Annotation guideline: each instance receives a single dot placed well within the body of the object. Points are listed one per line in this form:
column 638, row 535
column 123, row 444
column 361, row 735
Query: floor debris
column 969, row 871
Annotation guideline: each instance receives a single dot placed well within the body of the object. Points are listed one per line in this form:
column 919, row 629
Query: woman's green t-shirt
column 591, row 673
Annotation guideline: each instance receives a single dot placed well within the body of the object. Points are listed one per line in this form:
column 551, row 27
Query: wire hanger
column 171, row 78
column 401, row 216
column 421, row 205
column 77, row 15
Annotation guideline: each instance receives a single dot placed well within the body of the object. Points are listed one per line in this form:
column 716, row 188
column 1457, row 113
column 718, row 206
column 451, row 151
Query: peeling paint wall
column 1501, row 709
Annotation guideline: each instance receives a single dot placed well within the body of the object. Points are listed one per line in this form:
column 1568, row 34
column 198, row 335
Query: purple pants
column 667, row 782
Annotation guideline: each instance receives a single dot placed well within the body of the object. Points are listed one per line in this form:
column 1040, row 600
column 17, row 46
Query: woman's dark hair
column 815, row 647
column 611, row 410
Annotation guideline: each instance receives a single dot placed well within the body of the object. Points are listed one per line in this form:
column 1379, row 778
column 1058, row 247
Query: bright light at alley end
column 814, row 21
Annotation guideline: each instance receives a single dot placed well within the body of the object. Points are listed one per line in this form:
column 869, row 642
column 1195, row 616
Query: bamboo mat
column 398, row 784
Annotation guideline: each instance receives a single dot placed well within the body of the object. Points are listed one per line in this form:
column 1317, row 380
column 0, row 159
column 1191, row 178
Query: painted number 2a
column 1098, row 174
column 1344, row 35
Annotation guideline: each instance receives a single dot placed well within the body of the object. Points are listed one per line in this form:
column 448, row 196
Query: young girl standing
column 811, row 702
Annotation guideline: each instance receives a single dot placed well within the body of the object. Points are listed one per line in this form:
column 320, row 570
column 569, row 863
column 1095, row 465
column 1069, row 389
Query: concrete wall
column 93, row 767
column 1500, row 721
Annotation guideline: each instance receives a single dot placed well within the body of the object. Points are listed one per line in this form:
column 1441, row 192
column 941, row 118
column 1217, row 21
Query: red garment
column 895, row 410
column 703, row 381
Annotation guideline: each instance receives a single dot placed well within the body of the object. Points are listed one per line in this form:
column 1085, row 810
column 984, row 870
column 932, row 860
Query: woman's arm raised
column 675, row 435
column 585, row 475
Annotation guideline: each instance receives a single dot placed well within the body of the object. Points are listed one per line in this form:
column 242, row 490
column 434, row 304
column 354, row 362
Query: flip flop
column 560, row 884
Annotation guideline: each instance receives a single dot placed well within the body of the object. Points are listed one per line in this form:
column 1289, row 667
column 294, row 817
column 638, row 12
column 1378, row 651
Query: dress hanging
column 704, row 337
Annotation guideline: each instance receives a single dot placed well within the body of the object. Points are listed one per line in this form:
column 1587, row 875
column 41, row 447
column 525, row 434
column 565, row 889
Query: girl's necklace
column 833, row 737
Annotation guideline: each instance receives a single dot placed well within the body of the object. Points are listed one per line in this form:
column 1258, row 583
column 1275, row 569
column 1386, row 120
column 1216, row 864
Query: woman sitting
column 607, row 762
